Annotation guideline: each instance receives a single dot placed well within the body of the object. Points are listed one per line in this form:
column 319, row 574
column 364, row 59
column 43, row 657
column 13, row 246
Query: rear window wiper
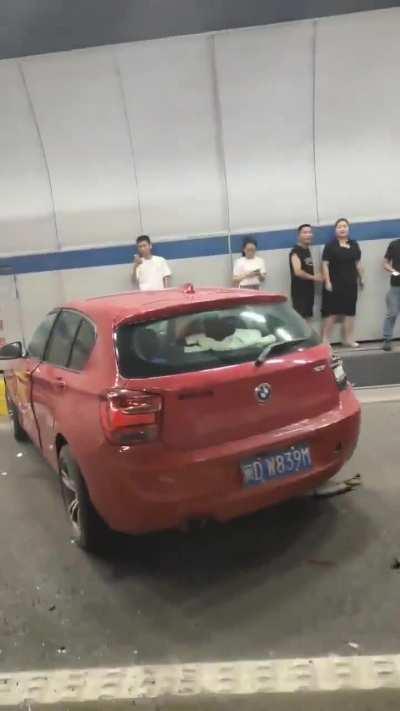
column 262, row 357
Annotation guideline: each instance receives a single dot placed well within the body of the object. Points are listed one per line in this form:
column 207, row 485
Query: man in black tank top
column 302, row 274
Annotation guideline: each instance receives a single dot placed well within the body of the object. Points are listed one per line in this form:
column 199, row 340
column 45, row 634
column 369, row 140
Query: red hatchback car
column 159, row 408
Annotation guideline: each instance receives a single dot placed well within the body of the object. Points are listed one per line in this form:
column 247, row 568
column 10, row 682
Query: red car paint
column 207, row 422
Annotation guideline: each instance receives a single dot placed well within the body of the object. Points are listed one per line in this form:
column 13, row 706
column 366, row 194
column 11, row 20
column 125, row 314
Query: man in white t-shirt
column 249, row 270
column 149, row 272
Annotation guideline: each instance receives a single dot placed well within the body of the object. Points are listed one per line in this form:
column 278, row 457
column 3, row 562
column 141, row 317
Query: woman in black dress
column 341, row 268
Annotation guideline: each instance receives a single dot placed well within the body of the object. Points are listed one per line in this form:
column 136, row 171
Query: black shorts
column 304, row 304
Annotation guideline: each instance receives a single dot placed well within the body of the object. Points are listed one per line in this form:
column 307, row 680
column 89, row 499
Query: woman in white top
column 249, row 270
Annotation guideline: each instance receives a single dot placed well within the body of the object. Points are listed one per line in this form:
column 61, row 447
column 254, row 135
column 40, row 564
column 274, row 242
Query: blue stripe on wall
column 284, row 239
column 188, row 248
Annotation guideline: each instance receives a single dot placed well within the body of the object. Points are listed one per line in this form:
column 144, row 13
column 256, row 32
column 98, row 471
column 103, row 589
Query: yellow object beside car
column 3, row 402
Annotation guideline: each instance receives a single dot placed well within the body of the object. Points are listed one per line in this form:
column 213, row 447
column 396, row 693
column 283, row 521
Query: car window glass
column 59, row 348
column 83, row 346
column 210, row 339
column 40, row 337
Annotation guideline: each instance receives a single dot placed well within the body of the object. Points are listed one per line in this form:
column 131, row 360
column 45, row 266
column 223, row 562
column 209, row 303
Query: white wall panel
column 171, row 106
column 38, row 293
column 77, row 100
column 202, row 271
column 358, row 115
column 266, row 87
column 96, row 281
column 10, row 310
column 26, row 211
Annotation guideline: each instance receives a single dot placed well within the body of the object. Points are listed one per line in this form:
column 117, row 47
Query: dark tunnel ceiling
column 37, row 26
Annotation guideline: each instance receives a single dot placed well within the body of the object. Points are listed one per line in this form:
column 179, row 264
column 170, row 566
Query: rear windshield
column 210, row 339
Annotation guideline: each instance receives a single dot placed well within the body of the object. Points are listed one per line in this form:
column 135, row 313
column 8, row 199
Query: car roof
column 120, row 307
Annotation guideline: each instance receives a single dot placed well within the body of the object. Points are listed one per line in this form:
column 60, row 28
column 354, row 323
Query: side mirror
column 11, row 351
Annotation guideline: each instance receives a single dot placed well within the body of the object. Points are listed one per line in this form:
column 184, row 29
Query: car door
column 19, row 380
column 49, row 380
column 52, row 380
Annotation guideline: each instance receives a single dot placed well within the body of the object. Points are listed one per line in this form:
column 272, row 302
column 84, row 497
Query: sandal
column 352, row 344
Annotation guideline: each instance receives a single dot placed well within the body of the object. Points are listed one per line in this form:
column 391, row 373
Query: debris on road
column 19, row 455
column 354, row 481
column 331, row 489
column 52, row 608
column 336, row 488
column 395, row 564
column 4, row 473
column 62, row 650
column 353, row 645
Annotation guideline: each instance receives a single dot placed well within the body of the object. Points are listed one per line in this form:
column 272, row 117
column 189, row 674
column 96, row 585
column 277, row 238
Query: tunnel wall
column 197, row 141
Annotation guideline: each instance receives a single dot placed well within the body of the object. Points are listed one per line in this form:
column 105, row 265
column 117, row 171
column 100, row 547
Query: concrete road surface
column 304, row 579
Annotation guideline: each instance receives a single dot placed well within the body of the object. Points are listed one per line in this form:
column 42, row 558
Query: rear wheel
column 88, row 529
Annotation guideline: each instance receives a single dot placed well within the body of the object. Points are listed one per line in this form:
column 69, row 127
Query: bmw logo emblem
column 263, row 393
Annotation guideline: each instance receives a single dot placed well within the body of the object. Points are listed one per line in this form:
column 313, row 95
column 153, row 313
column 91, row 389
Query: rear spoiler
column 194, row 305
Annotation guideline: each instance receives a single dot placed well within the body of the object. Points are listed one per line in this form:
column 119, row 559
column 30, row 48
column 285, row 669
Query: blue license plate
column 274, row 466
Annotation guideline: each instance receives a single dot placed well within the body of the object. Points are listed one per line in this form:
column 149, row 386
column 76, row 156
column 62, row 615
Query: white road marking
column 195, row 680
column 389, row 393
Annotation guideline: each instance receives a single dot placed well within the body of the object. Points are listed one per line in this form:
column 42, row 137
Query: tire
column 89, row 531
column 18, row 431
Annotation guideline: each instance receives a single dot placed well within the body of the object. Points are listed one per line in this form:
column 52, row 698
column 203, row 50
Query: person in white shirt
column 249, row 270
column 149, row 272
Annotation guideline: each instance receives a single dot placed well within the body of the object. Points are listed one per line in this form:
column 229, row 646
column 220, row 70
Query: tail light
column 130, row 416
column 339, row 373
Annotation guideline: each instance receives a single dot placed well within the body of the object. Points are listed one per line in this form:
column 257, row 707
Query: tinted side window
column 59, row 349
column 40, row 337
column 83, row 346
